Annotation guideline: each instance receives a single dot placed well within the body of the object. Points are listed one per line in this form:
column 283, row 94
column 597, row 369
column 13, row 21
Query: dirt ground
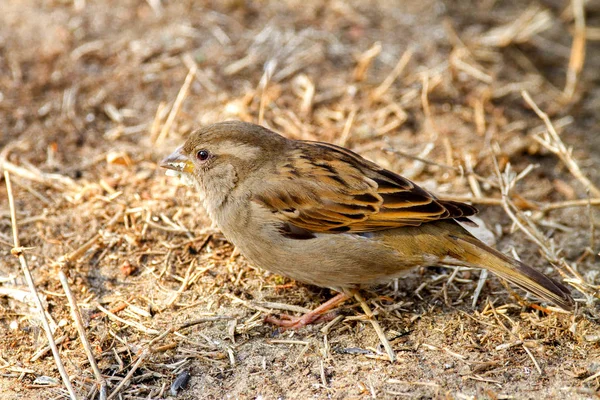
column 94, row 93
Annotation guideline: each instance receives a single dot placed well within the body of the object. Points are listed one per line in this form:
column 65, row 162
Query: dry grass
column 142, row 295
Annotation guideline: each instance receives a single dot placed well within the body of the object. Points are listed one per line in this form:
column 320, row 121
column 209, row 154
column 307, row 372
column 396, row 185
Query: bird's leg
column 291, row 322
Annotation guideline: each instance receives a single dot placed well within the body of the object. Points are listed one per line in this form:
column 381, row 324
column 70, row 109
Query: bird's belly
column 331, row 260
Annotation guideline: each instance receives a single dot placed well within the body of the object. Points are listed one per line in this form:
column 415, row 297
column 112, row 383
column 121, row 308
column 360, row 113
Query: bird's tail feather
column 516, row 272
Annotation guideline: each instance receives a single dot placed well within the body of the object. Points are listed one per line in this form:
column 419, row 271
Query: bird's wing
column 324, row 188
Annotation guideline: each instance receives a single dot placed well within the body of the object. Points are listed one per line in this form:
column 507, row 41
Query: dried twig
column 389, row 80
column 183, row 92
column 145, row 353
column 19, row 252
column 57, row 181
column 482, row 278
column 270, row 67
column 184, row 284
column 552, row 141
column 492, row 201
column 82, row 334
column 530, row 354
column 507, row 181
column 591, row 378
column 268, row 306
column 364, row 61
column 44, row 350
column 281, row 306
column 577, row 58
column 376, row 326
column 150, row 348
column 531, row 22
column 132, row 324
column 347, row 128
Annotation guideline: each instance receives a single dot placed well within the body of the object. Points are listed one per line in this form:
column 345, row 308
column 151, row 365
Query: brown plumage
column 324, row 215
column 330, row 189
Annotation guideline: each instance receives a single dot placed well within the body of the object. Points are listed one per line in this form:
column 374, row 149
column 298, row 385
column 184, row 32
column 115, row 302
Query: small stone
column 464, row 370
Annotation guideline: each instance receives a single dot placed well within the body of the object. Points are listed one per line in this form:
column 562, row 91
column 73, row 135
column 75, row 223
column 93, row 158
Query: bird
column 321, row 214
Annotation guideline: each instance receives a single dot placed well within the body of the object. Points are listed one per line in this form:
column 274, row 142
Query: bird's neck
column 218, row 197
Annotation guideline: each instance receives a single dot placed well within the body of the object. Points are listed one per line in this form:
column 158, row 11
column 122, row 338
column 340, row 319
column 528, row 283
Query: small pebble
column 180, row 382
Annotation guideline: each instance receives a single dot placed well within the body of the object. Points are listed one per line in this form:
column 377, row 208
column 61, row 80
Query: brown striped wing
column 329, row 189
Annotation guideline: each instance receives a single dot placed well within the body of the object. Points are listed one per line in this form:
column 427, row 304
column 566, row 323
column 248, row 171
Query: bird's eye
column 202, row 155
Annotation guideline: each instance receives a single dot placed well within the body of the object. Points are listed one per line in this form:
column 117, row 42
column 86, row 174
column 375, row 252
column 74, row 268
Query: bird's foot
column 319, row 314
column 286, row 321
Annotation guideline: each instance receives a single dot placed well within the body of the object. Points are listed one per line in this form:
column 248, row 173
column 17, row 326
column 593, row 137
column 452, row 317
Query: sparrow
column 323, row 215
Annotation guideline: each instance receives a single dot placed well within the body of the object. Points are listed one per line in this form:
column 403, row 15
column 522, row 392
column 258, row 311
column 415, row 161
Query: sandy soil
column 86, row 89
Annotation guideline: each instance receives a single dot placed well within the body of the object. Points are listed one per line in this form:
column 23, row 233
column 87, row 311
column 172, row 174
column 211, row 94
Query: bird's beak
column 178, row 162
